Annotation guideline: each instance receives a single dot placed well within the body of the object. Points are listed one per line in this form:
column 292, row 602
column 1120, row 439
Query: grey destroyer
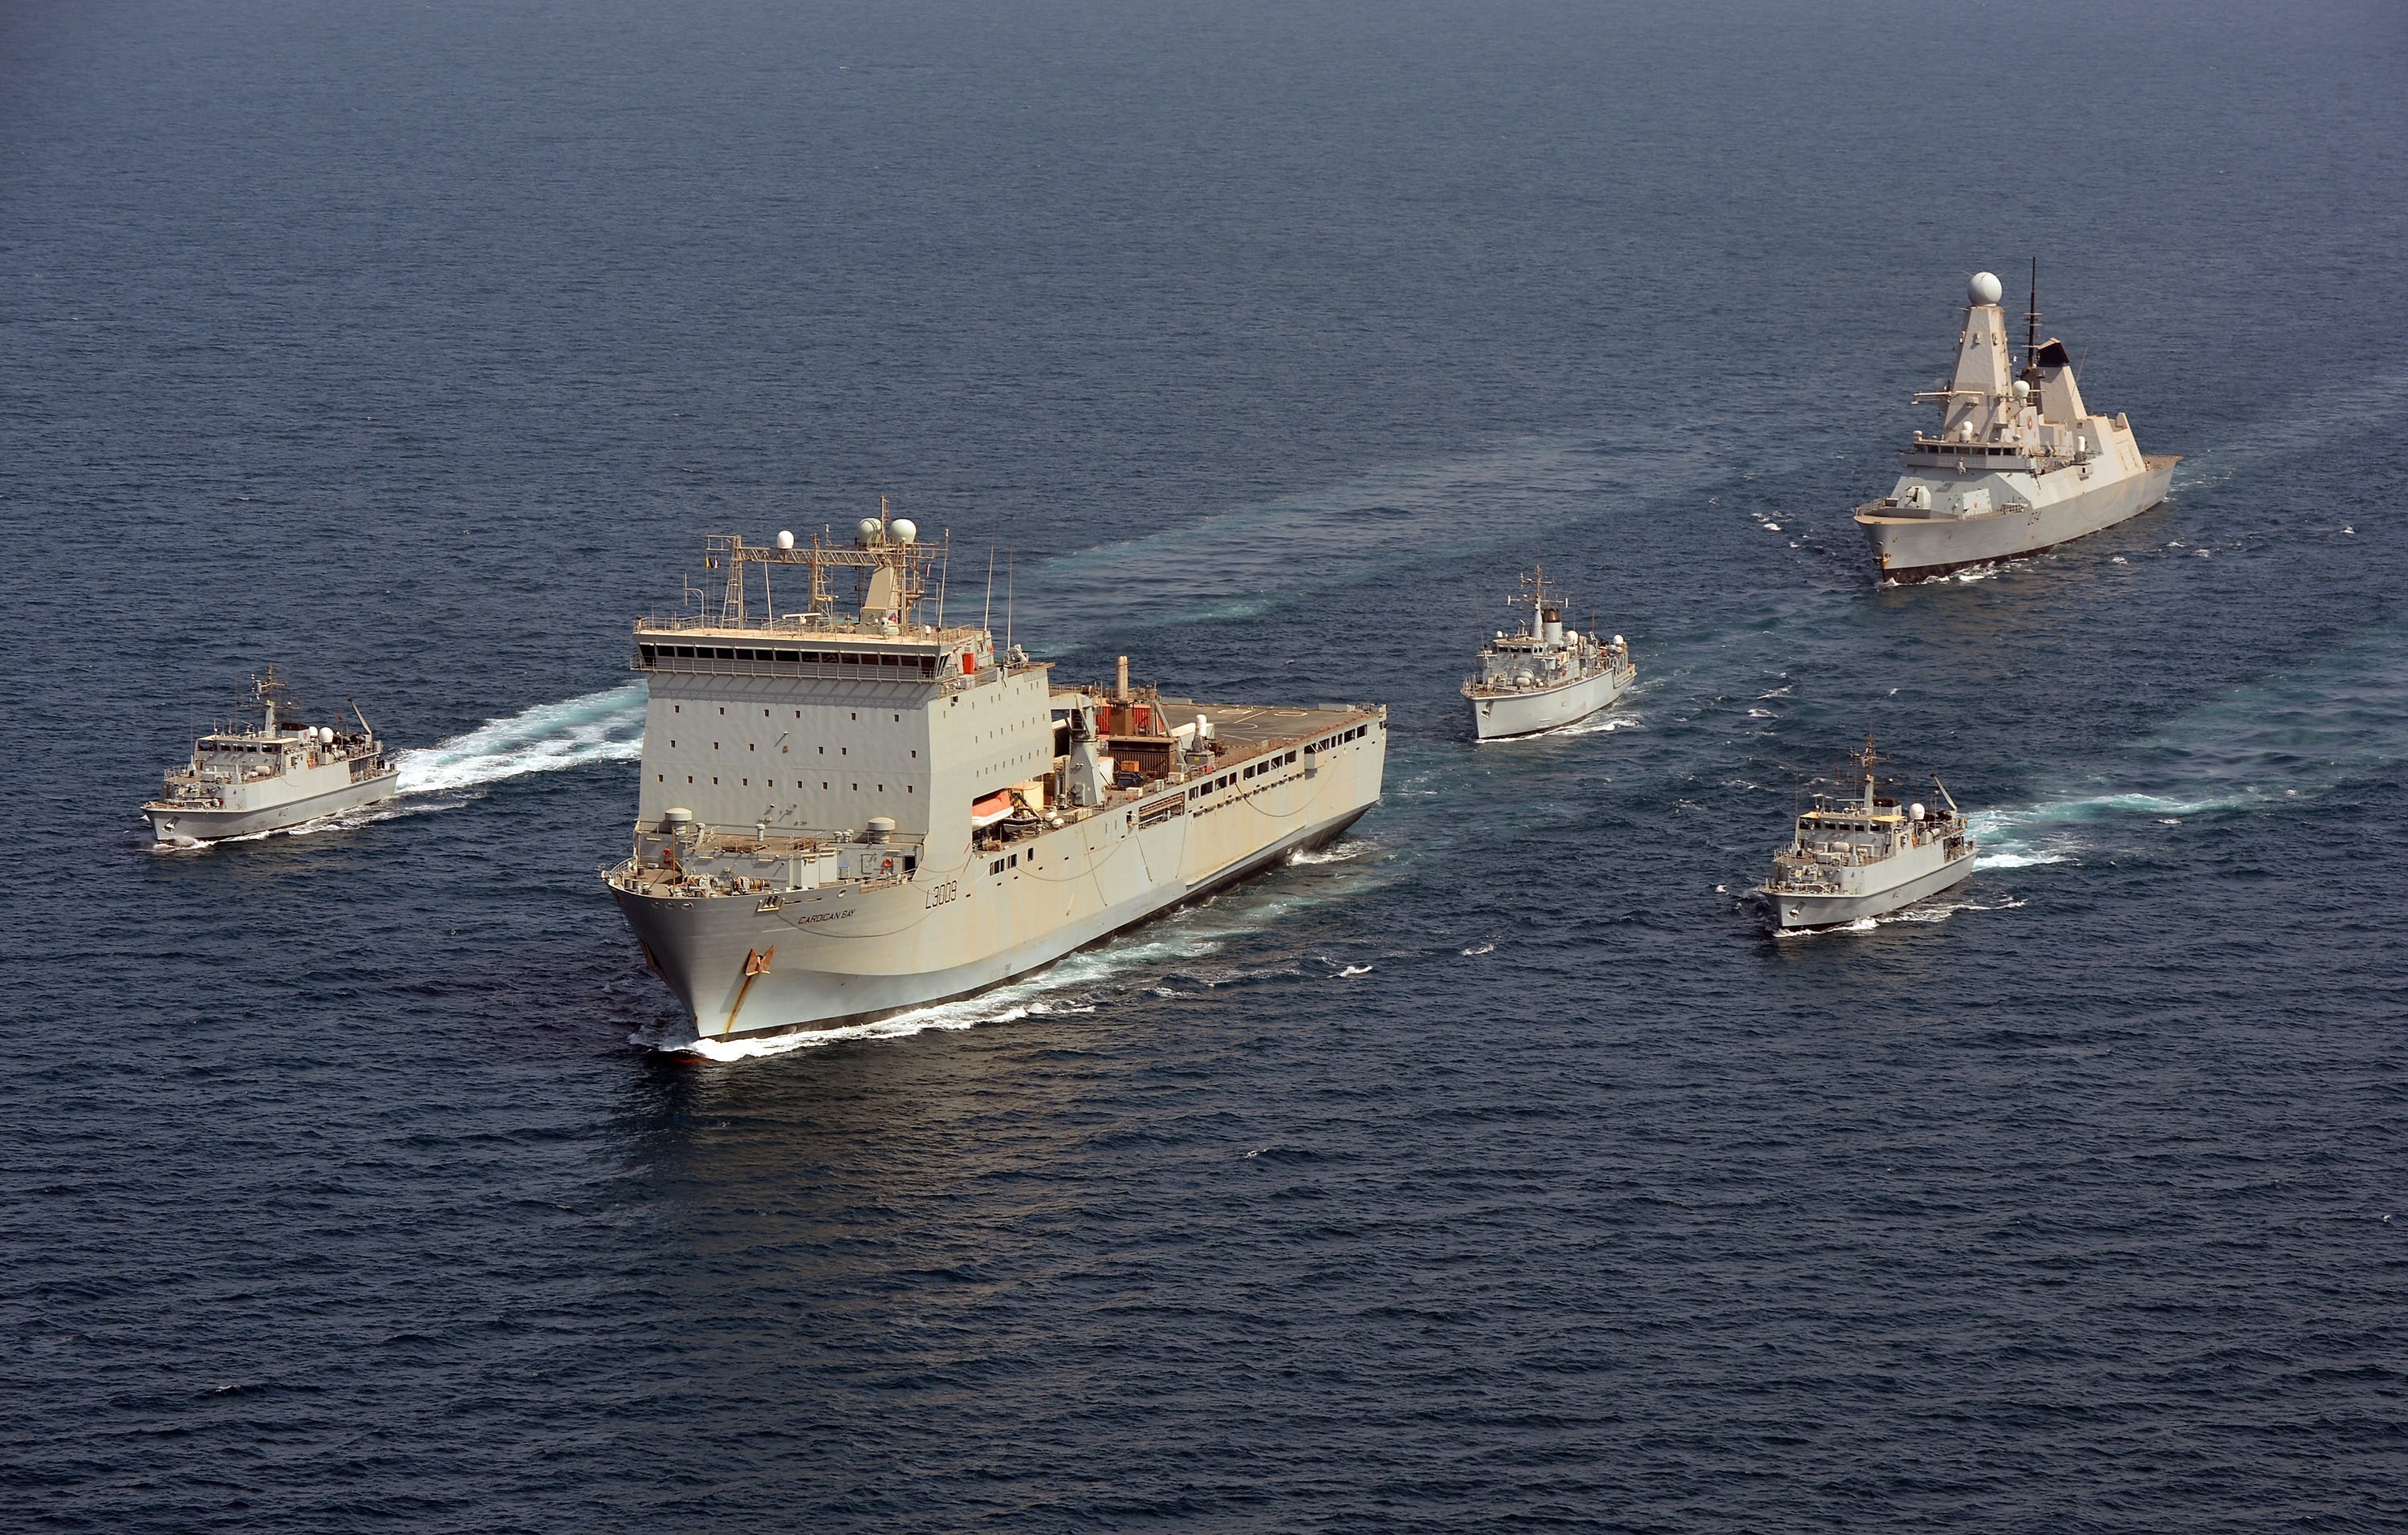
column 247, row 779
column 1864, row 855
column 2019, row 463
column 1544, row 675
column 846, row 812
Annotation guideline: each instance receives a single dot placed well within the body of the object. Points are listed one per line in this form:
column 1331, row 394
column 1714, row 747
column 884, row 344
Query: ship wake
column 2285, row 739
column 605, row 726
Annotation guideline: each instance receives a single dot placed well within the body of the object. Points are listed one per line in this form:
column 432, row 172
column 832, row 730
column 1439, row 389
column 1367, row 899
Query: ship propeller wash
column 279, row 774
column 1865, row 855
column 846, row 812
column 1543, row 676
column 2019, row 464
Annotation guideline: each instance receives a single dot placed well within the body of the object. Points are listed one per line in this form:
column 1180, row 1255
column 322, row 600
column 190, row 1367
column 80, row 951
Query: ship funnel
column 1120, row 684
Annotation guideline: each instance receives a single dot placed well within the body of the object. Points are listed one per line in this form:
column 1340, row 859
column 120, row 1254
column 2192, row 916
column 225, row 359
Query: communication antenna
column 987, row 618
column 1011, row 558
column 2032, row 321
column 943, row 571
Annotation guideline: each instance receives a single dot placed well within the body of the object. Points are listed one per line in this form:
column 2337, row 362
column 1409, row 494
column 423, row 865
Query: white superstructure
column 845, row 812
column 2019, row 464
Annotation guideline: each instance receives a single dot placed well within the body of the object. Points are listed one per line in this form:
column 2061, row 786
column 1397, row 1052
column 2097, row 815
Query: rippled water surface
column 1490, row 1169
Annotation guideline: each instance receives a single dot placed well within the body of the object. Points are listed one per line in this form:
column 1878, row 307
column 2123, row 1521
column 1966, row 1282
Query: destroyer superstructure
column 2019, row 463
column 1544, row 675
column 846, row 812
column 1866, row 854
column 276, row 774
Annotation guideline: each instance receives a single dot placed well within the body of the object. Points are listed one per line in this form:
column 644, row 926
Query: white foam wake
column 607, row 727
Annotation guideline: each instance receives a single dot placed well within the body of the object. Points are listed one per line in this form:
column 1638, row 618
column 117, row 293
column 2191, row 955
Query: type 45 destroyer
column 2019, row 464
column 846, row 812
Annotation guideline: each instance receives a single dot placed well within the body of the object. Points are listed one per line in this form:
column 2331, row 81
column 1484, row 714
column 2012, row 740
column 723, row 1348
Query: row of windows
column 748, row 746
column 771, row 784
column 1267, row 763
column 853, row 714
column 1002, row 864
column 924, row 665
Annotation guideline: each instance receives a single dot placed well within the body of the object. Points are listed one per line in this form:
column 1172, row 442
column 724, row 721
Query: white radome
column 785, row 539
column 1984, row 288
column 872, row 530
column 903, row 530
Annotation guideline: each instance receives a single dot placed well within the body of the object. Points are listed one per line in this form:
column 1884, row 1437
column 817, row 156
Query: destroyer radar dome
column 1984, row 288
column 2023, row 389
column 903, row 529
column 785, row 539
column 870, row 529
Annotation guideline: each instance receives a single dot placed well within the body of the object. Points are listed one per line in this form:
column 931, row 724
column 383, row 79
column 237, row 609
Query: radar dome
column 903, row 530
column 871, row 530
column 1914, row 812
column 2023, row 389
column 1617, row 639
column 1984, row 288
column 325, row 735
column 785, row 539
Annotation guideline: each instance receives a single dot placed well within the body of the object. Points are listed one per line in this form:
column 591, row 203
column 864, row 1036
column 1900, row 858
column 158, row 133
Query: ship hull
column 1792, row 910
column 1505, row 715
column 173, row 823
column 812, row 960
column 1919, row 549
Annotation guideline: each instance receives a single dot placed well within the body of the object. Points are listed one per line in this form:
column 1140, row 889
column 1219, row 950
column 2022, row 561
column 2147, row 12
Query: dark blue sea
column 1491, row 1170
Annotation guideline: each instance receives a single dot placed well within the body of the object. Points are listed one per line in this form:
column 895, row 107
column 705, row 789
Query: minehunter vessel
column 280, row 774
column 1544, row 675
column 1865, row 855
column 2019, row 464
column 846, row 812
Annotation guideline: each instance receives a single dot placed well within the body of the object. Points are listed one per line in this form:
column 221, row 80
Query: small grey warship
column 846, row 812
column 1865, row 855
column 2018, row 465
column 243, row 781
column 1544, row 676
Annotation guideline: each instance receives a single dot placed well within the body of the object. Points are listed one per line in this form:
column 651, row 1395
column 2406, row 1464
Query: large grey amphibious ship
column 2019, row 463
column 847, row 811
column 246, row 780
column 1864, row 855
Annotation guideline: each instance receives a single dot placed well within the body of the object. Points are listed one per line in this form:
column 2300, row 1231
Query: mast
column 1868, row 759
column 2032, row 321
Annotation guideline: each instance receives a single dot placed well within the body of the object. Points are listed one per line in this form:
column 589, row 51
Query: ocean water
column 1489, row 1170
